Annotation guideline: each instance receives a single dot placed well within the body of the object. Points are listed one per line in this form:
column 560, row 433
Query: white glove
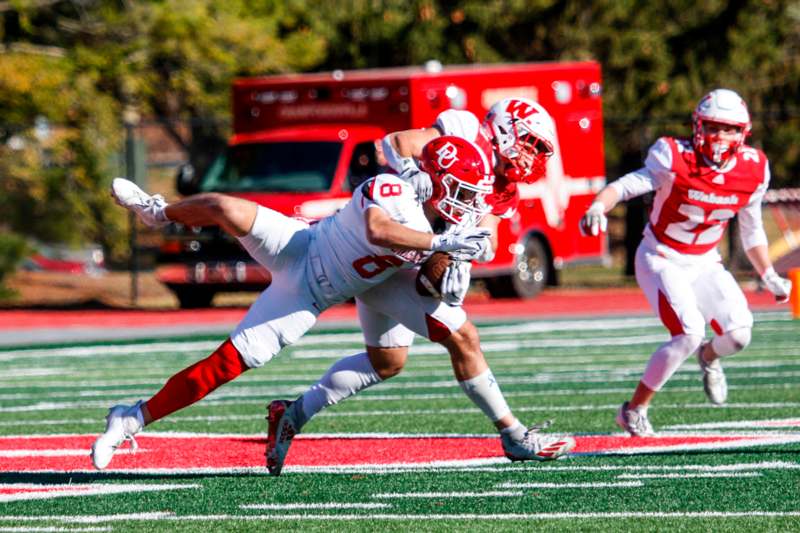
column 483, row 255
column 455, row 282
column 780, row 287
column 418, row 179
column 468, row 240
column 594, row 221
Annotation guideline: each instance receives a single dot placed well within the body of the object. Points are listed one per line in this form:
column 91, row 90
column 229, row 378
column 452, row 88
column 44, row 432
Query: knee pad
column 731, row 342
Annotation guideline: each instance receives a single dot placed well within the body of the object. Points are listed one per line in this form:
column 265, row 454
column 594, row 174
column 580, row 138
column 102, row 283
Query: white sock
column 347, row 377
column 484, row 392
column 668, row 358
column 516, row 431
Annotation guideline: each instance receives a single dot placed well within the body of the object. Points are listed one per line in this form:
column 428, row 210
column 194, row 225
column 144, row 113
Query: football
column 431, row 272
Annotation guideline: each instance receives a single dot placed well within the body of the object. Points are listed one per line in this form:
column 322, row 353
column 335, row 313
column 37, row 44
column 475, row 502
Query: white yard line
column 433, row 495
column 685, row 475
column 319, row 506
column 146, row 517
column 61, row 491
column 588, row 485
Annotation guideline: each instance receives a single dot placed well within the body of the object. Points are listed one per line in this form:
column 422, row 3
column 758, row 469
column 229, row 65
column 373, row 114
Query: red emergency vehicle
column 302, row 141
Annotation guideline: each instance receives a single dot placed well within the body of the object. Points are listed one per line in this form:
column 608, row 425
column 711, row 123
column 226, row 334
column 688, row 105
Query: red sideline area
column 70, row 452
column 551, row 303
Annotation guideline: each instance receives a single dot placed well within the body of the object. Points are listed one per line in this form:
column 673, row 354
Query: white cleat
column 634, row 422
column 281, row 429
column 122, row 423
column 149, row 209
column 714, row 382
column 536, row 446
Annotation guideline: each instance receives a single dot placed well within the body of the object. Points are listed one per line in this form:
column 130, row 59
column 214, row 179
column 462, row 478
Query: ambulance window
column 275, row 167
column 363, row 165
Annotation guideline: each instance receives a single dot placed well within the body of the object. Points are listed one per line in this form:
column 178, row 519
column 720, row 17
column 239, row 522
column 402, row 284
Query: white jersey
column 341, row 258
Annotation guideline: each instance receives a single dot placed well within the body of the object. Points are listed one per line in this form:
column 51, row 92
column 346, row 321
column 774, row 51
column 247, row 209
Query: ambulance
column 302, row 142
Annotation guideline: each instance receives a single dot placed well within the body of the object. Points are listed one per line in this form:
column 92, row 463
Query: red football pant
column 198, row 381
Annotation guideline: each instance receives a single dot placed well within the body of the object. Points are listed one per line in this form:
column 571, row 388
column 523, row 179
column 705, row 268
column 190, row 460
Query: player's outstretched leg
column 536, row 446
column 282, row 425
column 122, row 423
column 149, row 209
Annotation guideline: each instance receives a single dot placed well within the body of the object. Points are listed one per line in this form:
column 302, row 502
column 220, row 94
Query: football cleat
column 714, row 382
column 122, row 423
column 149, row 209
column 281, row 429
column 634, row 422
column 536, row 446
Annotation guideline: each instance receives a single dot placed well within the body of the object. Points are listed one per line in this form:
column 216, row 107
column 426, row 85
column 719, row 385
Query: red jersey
column 694, row 202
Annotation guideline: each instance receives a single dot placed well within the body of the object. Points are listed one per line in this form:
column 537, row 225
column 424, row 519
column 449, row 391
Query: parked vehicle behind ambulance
column 301, row 142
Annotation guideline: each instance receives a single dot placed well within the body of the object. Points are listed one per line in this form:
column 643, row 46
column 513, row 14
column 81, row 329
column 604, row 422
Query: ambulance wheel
column 532, row 270
column 193, row 297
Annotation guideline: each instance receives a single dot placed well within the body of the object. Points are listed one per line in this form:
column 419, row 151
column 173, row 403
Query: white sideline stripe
column 485, row 494
column 589, row 485
column 88, row 519
column 420, row 517
column 55, row 528
column 289, row 506
column 92, row 490
column 739, row 424
column 688, row 475
column 42, row 453
column 481, row 465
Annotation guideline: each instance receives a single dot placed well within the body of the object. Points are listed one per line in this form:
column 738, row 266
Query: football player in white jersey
column 699, row 184
column 391, row 314
column 382, row 230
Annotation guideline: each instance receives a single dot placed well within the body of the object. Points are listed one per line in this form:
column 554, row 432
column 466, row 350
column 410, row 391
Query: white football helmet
column 725, row 107
column 523, row 135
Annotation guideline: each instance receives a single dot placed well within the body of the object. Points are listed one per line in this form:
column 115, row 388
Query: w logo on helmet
column 447, row 155
column 519, row 109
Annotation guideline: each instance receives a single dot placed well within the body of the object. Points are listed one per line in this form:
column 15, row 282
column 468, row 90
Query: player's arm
column 754, row 242
column 655, row 172
column 400, row 146
column 382, row 230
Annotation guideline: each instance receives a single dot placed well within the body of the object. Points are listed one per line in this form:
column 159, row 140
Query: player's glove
column 594, row 221
column 466, row 240
column 455, row 282
column 483, row 255
column 418, row 179
column 780, row 287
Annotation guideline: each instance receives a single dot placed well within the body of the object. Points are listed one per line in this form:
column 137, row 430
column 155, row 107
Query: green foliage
column 173, row 60
column 13, row 250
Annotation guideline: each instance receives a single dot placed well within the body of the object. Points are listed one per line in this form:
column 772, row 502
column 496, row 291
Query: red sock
column 193, row 383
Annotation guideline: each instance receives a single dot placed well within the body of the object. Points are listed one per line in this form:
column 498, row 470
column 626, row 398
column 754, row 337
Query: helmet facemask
column 523, row 137
column 527, row 157
column 717, row 146
column 460, row 202
column 717, row 111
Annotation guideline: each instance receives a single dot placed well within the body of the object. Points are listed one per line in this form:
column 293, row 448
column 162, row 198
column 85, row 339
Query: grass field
column 723, row 469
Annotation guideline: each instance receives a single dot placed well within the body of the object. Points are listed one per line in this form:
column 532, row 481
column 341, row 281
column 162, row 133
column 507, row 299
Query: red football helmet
column 721, row 106
column 523, row 135
column 462, row 178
